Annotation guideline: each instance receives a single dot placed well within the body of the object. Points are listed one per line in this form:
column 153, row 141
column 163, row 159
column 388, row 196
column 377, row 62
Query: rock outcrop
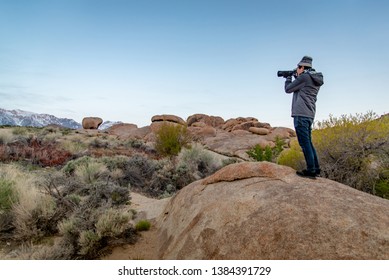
column 128, row 130
column 259, row 130
column 235, row 143
column 206, row 120
column 232, row 138
column 168, row 118
column 91, row 122
column 264, row 211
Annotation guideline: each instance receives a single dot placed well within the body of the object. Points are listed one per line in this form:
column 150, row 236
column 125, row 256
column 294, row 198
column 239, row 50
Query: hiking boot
column 306, row 174
column 318, row 172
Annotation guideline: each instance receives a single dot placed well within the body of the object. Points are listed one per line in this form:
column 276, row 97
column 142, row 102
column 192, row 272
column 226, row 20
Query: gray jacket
column 305, row 89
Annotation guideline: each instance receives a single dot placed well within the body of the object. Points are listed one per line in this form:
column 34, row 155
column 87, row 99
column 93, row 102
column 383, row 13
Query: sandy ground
column 146, row 247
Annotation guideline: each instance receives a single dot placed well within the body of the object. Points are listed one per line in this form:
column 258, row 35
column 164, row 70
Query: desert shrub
column 87, row 232
column 70, row 167
column 34, row 216
column 84, row 216
column 182, row 176
column 98, row 143
column 136, row 144
column 199, row 161
column 29, row 251
column 112, row 223
column 292, row 157
column 90, row 171
column 68, row 228
column 115, row 162
column 162, row 183
column 162, row 178
column 170, row 138
column 135, row 171
column 96, row 219
column 143, row 225
column 194, row 163
column 104, row 193
column 353, row 149
column 89, row 242
column 139, row 171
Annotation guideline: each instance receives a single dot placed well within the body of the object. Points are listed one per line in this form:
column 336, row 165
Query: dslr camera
column 286, row 73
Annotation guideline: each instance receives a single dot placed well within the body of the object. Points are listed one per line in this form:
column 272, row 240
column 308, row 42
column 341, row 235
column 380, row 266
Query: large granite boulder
column 91, row 122
column 264, row 211
column 168, row 118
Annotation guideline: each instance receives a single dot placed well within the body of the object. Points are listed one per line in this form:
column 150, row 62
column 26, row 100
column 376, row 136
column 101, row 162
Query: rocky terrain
column 245, row 210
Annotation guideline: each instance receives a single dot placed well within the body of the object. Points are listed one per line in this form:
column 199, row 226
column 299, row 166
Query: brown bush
column 34, row 150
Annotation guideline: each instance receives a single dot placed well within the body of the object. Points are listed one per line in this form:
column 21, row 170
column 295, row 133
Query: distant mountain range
column 24, row 118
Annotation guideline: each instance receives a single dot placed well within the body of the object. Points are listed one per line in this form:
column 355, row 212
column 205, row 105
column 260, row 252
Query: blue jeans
column 303, row 127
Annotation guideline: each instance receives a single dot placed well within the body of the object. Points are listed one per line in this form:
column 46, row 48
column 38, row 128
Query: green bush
column 170, row 138
column 292, row 157
column 143, row 225
column 382, row 188
column 260, row 154
column 268, row 153
column 353, row 149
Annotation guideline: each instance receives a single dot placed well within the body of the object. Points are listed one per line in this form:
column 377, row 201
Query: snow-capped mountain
column 108, row 124
column 24, row 118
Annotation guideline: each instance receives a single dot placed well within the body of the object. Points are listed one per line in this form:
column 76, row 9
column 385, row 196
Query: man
column 305, row 88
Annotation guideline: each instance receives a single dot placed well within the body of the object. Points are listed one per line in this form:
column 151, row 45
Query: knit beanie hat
column 306, row 61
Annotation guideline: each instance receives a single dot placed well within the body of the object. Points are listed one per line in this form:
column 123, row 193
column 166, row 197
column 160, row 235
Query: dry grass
column 6, row 136
column 91, row 171
column 31, row 204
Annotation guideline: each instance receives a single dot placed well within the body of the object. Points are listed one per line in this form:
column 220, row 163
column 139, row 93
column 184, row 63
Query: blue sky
column 130, row 60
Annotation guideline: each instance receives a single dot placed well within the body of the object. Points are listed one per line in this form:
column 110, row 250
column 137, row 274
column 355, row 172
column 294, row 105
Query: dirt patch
column 147, row 245
column 144, row 249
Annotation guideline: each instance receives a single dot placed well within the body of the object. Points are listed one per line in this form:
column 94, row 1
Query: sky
column 128, row 60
